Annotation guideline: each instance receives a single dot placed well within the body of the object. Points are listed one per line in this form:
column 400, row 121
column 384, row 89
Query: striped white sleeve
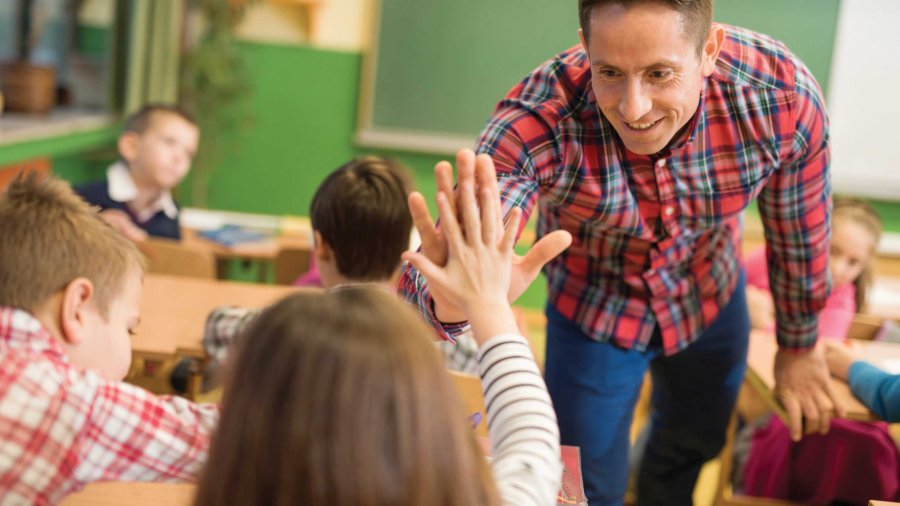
column 523, row 430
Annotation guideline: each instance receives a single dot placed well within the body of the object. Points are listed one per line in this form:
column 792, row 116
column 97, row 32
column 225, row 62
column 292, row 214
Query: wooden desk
column 133, row 494
column 174, row 310
column 266, row 253
column 884, row 298
column 263, row 250
column 760, row 374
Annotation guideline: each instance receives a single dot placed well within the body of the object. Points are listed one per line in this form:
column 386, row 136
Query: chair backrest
column 290, row 263
column 166, row 256
column 864, row 327
column 469, row 388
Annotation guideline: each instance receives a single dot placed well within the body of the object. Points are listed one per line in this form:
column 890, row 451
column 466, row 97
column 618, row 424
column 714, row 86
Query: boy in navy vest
column 156, row 149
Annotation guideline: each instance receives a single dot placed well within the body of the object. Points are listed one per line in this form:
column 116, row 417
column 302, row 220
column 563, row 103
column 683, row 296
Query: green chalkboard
column 438, row 67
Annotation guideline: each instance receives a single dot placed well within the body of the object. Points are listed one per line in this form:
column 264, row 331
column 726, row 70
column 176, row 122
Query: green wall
column 304, row 108
column 435, row 78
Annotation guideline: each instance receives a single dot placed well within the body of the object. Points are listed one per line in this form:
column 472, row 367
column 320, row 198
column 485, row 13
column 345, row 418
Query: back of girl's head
column 360, row 211
column 865, row 216
column 340, row 399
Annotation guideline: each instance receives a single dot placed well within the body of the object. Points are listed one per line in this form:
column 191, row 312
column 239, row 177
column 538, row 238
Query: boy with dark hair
column 70, row 289
column 156, row 149
column 361, row 221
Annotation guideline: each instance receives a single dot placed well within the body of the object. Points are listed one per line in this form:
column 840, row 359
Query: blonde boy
column 70, row 289
column 156, row 150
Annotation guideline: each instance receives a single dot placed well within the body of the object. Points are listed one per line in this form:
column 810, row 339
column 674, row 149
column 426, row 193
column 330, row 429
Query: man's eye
column 607, row 74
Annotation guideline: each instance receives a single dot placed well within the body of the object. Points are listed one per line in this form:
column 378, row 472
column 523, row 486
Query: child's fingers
column 421, row 217
column 432, row 243
column 485, row 173
column 490, row 215
column 465, row 166
column 437, row 279
column 467, row 205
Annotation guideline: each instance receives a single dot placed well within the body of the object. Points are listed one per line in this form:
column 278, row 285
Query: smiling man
column 646, row 142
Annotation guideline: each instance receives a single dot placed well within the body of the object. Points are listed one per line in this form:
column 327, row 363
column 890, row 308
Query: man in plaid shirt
column 646, row 143
column 70, row 288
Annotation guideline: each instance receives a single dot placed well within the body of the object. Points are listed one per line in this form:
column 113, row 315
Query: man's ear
column 583, row 41
column 77, row 301
column 711, row 49
column 128, row 145
column 321, row 248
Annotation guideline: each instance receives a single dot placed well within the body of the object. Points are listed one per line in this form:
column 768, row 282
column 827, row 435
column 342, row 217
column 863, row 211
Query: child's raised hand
column 477, row 174
column 477, row 273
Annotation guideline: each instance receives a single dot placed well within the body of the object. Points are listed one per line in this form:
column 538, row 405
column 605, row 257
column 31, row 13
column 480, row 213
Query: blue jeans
column 594, row 387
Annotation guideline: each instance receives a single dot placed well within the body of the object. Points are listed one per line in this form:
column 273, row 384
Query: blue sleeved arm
column 877, row 389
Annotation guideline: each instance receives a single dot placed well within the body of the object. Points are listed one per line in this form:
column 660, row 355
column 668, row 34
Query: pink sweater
column 836, row 316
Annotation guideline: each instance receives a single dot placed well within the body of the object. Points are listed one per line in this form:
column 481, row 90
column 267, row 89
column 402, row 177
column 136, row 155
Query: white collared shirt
column 123, row 189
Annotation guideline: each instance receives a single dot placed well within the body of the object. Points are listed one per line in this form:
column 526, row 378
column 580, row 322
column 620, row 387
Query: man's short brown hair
column 51, row 237
column 697, row 15
column 360, row 211
column 139, row 121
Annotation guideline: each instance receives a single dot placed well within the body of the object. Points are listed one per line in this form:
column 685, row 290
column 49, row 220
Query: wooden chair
column 166, row 256
column 290, row 263
column 864, row 327
column 469, row 388
column 725, row 495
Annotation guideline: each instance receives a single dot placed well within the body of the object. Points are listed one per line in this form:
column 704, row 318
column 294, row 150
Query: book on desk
column 233, row 235
column 571, row 490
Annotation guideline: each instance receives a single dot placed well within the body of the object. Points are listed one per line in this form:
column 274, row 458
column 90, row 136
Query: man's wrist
column 446, row 319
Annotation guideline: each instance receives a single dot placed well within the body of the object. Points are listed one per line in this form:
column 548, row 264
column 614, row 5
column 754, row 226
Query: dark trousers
column 594, row 387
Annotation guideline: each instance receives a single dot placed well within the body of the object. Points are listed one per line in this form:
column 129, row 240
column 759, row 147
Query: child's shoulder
column 42, row 375
column 95, row 193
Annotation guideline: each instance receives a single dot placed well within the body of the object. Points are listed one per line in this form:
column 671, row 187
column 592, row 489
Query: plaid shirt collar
column 21, row 331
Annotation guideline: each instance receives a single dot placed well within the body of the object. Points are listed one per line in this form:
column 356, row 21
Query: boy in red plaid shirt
column 70, row 289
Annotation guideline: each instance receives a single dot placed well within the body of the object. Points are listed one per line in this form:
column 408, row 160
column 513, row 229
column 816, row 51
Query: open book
column 232, row 235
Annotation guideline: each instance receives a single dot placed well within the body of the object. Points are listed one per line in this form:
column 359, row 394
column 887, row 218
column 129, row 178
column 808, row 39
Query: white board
column 864, row 99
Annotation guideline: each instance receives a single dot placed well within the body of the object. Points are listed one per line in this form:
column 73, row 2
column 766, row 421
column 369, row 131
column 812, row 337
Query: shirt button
column 669, row 210
column 661, row 162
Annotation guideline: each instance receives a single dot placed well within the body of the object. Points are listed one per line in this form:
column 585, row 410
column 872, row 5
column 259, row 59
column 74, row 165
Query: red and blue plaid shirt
column 656, row 238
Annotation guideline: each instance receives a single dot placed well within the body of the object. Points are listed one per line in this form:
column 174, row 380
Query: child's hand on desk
column 121, row 222
column 839, row 357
